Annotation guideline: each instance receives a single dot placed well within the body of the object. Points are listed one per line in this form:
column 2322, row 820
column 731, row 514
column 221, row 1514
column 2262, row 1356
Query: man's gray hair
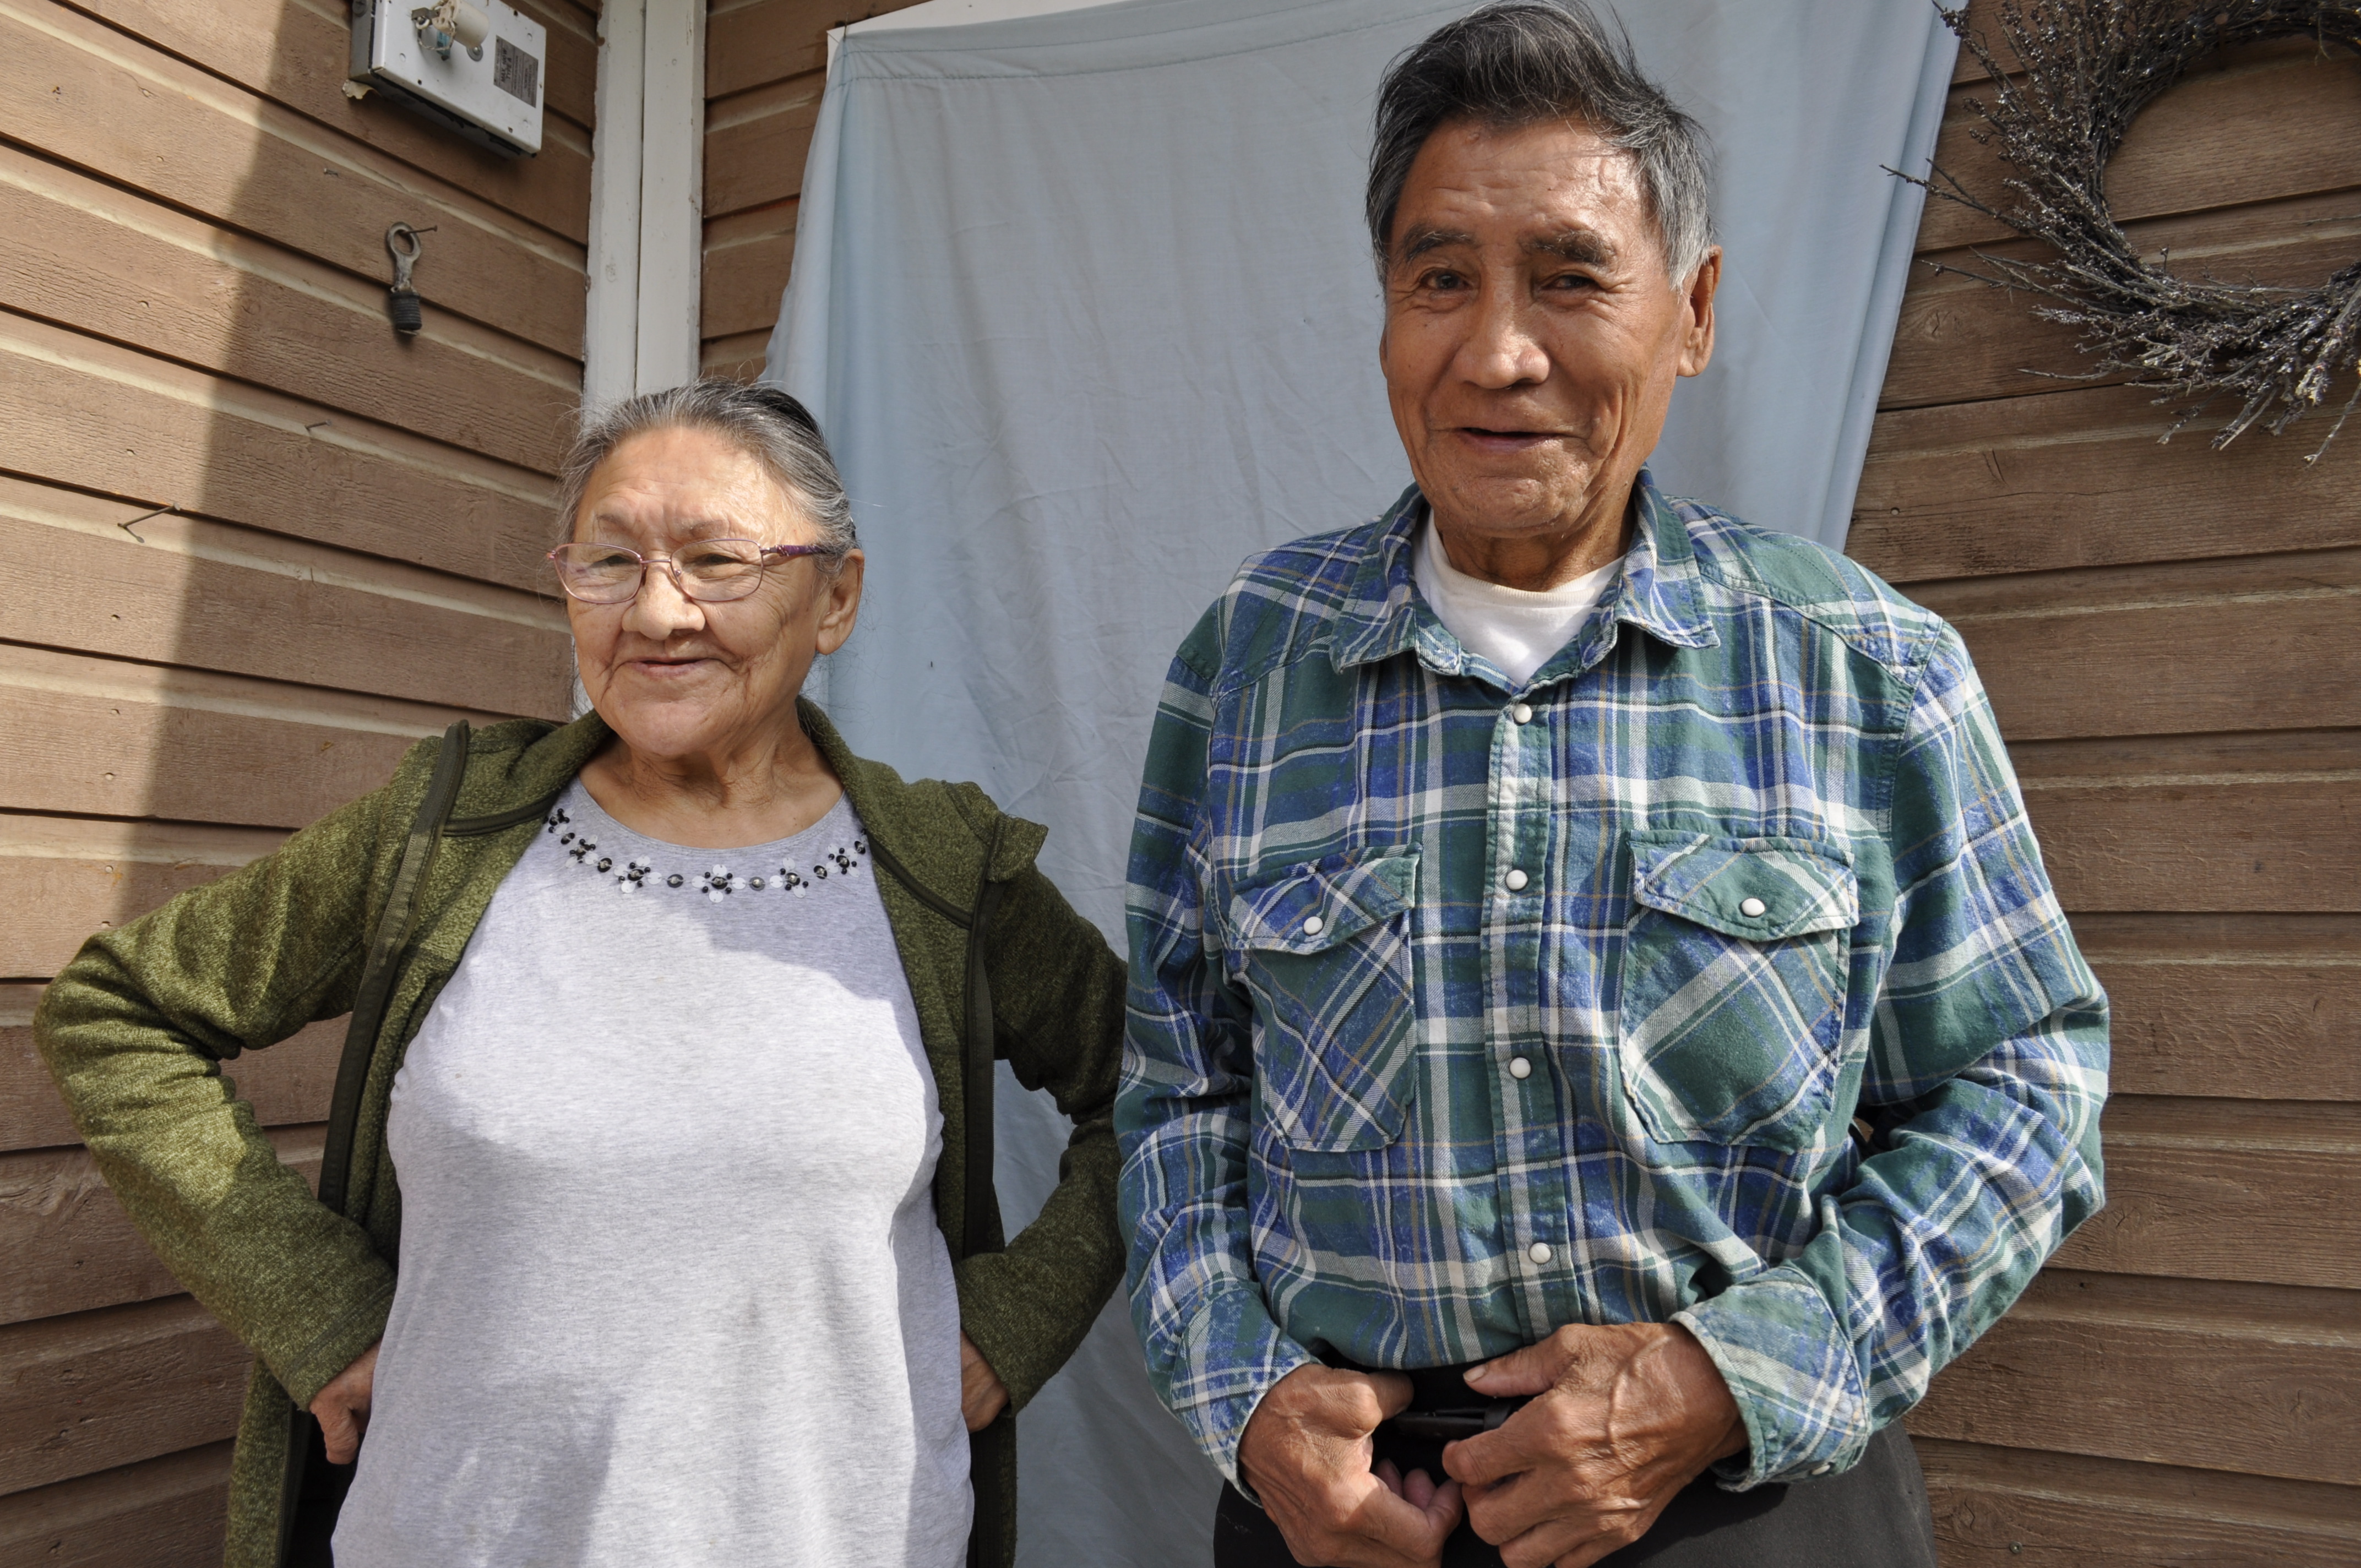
column 769, row 426
column 1522, row 62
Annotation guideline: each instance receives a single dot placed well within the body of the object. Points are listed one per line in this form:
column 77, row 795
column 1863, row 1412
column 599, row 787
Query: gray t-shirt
column 671, row 1287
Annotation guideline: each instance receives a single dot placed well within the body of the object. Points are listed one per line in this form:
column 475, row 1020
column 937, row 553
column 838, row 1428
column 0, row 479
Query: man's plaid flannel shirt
column 1463, row 1010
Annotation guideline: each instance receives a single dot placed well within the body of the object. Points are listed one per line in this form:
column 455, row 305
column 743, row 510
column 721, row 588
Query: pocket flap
column 1311, row 907
column 1798, row 885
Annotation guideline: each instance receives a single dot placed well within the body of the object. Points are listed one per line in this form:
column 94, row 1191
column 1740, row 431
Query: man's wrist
column 1788, row 1363
column 1235, row 1333
column 1707, row 1391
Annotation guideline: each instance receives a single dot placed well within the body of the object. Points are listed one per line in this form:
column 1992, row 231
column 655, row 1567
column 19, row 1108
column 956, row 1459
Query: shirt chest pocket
column 1324, row 949
column 1734, row 967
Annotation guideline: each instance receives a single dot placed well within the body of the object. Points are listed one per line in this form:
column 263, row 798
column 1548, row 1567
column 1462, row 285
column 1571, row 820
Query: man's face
column 1533, row 335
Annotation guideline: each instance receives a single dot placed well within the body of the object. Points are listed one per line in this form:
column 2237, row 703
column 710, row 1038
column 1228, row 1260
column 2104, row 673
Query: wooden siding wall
column 765, row 65
column 2171, row 637
column 340, row 558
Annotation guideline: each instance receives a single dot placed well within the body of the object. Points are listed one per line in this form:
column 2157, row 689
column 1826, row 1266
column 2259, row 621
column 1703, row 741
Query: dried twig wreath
column 2089, row 66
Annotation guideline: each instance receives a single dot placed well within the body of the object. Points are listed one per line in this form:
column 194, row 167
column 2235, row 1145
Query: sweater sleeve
column 134, row 1031
column 1057, row 1000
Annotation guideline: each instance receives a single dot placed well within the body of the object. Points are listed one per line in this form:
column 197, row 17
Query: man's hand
column 1622, row 1418
column 1306, row 1452
column 343, row 1406
column 982, row 1395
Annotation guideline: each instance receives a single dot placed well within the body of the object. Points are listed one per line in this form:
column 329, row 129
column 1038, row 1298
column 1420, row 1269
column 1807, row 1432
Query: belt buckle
column 1452, row 1422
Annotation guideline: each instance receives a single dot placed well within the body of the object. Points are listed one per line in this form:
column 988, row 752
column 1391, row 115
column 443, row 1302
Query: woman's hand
column 343, row 1406
column 981, row 1395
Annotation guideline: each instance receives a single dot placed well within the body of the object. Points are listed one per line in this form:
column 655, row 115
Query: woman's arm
column 134, row 1031
column 1058, row 993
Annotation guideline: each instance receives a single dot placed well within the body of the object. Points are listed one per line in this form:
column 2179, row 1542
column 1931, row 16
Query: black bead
column 673, row 880
column 754, row 882
column 606, row 864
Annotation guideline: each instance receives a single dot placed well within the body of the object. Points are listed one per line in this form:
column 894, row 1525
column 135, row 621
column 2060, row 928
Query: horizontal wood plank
column 2249, row 643
column 68, row 877
column 2231, row 1006
column 763, row 41
column 1958, row 338
column 1983, row 21
column 2227, row 1189
column 187, row 591
column 168, row 1512
column 2010, row 1507
column 573, row 80
column 2258, row 1380
column 739, row 357
column 287, row 1084
column 101, row 417
column 747, row 258
column 89, row 1392
column 2079, row 478
column 89, row 96
column 103, row 737
column 71, row 1248
column 2258, row 823
column 2264, row 846
column 2270, row 120
column 101, row 260
column 296, row 56
column 754, row 45
column 755, row 145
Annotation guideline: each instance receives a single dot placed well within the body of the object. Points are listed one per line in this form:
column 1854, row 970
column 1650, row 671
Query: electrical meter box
column 476, row 66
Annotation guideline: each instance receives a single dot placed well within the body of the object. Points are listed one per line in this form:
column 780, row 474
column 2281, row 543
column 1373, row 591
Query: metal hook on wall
column 403, row 304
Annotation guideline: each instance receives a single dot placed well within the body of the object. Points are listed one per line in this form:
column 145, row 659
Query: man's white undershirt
column 1518, row 631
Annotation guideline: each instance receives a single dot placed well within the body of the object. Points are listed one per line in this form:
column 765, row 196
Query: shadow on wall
column 351, row 555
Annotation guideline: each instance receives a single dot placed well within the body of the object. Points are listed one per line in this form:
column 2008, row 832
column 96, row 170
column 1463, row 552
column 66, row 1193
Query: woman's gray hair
column 764, row 422
column 1522, row 62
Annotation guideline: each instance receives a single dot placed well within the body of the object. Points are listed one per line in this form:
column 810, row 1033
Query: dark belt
column 1442, row 1409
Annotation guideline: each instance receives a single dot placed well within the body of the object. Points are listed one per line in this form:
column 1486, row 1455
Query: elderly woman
column 654, row 1226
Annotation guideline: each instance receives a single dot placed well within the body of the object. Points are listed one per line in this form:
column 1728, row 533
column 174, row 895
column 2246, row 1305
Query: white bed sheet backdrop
column 1085, row 304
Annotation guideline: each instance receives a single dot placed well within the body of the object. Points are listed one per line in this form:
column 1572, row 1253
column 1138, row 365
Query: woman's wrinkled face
column 679, row 677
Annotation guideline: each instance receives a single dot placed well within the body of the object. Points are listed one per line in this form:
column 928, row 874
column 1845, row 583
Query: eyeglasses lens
column 720, row 568
column 709, row 570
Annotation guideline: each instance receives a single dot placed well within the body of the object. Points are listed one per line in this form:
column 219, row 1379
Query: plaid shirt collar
column 1657, row 592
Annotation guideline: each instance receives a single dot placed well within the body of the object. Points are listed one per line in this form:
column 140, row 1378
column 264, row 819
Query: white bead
column 1752, row 907
column 1539, row 1252
column 1519, row 1067
column 1313, row 925
column 1516, row 880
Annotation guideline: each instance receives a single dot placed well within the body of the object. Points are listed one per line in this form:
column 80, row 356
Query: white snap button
column 1516, row 880
column 1539, row 1252
column 1752, row 907
column 1519, row 1067
column 1522, row 713
column 1822, row 1469
column 1313, row 925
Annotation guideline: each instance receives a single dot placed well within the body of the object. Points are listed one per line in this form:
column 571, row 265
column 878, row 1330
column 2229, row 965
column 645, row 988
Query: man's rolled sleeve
column 1183, row 1114
column 1988, row 1066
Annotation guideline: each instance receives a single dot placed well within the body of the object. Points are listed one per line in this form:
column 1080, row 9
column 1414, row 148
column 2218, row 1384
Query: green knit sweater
column 137, row 1027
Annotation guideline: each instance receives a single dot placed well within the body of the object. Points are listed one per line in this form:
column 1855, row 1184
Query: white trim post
column 610, row 326
column 641, row 318
column 672, row 195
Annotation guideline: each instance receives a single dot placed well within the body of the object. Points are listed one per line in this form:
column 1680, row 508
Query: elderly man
column 1601, row 1036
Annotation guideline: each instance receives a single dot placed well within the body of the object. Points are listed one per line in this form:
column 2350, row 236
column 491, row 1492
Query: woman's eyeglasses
column 707, row 570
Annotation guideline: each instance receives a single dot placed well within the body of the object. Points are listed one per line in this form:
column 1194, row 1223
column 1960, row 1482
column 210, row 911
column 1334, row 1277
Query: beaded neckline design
column 717, row 882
